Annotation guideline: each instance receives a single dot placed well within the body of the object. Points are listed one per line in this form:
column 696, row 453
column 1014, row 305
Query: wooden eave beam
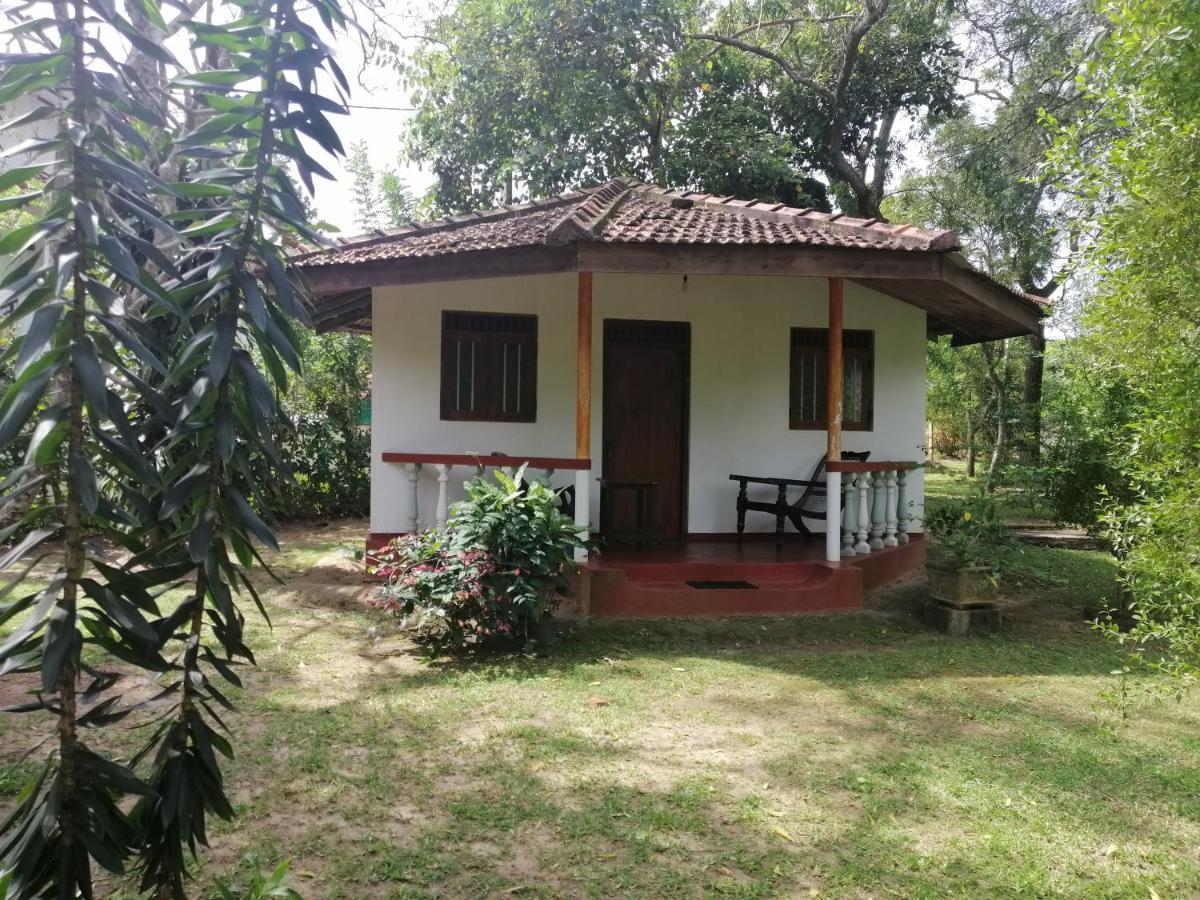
column 996, row 313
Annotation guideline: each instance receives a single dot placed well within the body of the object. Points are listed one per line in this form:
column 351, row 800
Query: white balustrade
column 413, row 472
column 868, row 511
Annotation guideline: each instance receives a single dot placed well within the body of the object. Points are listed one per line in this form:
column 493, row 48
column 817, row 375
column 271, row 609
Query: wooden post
column 583, row 402
column 583, row 370
column 833, row 374
column 833, row 422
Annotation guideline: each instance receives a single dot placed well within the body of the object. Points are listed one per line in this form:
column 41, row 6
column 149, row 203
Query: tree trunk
column 970, row 445
column 997, row 372
column 1031, row 397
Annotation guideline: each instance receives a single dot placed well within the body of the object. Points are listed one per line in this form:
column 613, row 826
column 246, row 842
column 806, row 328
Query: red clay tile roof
column 624, row 211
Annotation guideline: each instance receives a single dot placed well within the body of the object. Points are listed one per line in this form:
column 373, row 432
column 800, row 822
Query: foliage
column 260, row 886
column 728, row 142
column 985, row 180
column 1134, row 162
column 152, row 284
column 841, row 75
column 549, row 92
column 324, row 442
column 971, row 533
column 495, row 569
column 381, row 199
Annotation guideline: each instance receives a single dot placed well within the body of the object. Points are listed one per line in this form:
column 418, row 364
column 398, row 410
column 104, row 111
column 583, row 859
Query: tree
column 987, row 181
column 729, row 143
column 845, row 74
column 72, row 264
column 381, row 199
column 551, row 93
column 1133, row 160
column 151, row 305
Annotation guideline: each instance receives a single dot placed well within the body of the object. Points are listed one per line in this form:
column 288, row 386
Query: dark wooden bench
column 796, row 512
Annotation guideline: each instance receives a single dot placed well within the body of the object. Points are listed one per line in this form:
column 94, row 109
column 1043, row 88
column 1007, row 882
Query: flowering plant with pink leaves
column 500, row 564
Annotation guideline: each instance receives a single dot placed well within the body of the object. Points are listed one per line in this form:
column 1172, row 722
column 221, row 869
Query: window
column 806, row 407
column 489, row 367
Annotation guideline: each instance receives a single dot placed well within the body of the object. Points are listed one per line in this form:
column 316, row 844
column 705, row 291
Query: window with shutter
column 806, row 406
column 489, row 367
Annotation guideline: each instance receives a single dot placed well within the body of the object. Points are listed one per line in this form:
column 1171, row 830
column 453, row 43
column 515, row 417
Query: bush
column 970, row 533
column 497, row 567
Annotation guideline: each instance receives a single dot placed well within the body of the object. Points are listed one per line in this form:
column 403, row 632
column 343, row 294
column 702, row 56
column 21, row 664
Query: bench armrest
column 785, row 482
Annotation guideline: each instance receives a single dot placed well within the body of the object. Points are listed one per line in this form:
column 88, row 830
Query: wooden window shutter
column 806, row 389
column 489, row 367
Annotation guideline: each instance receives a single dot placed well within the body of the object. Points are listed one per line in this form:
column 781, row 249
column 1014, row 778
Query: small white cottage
column 706, row 374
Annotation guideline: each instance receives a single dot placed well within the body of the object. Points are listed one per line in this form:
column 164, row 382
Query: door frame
column 685, row 425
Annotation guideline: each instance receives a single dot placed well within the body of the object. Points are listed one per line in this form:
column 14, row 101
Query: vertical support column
column 414, row 474
column 902, row 506
column 583, row 403
column 443, row 476
column 833, row 423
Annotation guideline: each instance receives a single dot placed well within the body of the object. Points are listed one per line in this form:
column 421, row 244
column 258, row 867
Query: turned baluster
column 443, row 476
column 414, row 474
column 902, row 507
column 849, row 508
column 889, row 509
column 877, row 504
column 864, row 512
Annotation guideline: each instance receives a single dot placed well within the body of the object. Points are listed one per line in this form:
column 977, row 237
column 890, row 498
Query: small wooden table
column 644, row 496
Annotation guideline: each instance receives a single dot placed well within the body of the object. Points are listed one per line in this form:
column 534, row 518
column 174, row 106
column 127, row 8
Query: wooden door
column 645, row 438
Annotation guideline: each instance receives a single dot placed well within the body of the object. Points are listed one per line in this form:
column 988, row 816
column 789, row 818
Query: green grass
column 947, row 481
column 840, row 756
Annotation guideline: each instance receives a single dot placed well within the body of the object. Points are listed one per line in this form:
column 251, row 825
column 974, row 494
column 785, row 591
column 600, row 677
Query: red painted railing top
column 489, row 460
column 871, row 465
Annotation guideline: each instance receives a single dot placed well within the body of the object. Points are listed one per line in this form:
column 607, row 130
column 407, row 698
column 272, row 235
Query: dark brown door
column 646, row 378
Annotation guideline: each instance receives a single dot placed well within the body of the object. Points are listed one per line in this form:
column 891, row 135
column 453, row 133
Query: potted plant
column 969, row 549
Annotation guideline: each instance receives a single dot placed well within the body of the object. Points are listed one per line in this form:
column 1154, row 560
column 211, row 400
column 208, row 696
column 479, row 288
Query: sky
column 379, row 127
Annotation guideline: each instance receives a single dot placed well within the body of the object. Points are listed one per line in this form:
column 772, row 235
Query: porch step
column 639, row 590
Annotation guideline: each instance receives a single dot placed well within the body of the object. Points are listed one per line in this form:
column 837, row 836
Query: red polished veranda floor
column 697, row 578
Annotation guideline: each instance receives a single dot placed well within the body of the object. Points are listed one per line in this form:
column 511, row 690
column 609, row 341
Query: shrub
column 970, row 533
column 497, row 567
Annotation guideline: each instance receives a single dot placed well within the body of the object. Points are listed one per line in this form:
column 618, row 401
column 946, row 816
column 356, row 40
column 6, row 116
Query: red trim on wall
column 489, row 461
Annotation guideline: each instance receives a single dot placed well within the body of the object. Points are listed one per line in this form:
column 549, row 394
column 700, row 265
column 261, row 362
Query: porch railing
column 867, row 507
column 442, row 464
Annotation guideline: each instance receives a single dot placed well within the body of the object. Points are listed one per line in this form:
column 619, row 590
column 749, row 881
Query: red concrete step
column 662, row 589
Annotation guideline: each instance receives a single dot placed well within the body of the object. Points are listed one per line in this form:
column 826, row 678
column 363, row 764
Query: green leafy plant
column 970, row 534
column 261, row 886
column 498, row 566
column 152, row 286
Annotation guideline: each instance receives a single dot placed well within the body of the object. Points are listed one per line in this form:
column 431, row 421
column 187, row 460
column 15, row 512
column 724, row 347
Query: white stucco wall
column 739, row 381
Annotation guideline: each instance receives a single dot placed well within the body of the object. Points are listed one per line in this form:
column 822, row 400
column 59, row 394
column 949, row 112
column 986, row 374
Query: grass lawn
column 837, row 756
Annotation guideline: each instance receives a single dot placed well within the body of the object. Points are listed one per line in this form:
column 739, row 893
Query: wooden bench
column 796, row 512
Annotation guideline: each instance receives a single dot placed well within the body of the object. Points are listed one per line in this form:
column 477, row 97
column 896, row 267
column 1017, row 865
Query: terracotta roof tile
column 624, row 211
